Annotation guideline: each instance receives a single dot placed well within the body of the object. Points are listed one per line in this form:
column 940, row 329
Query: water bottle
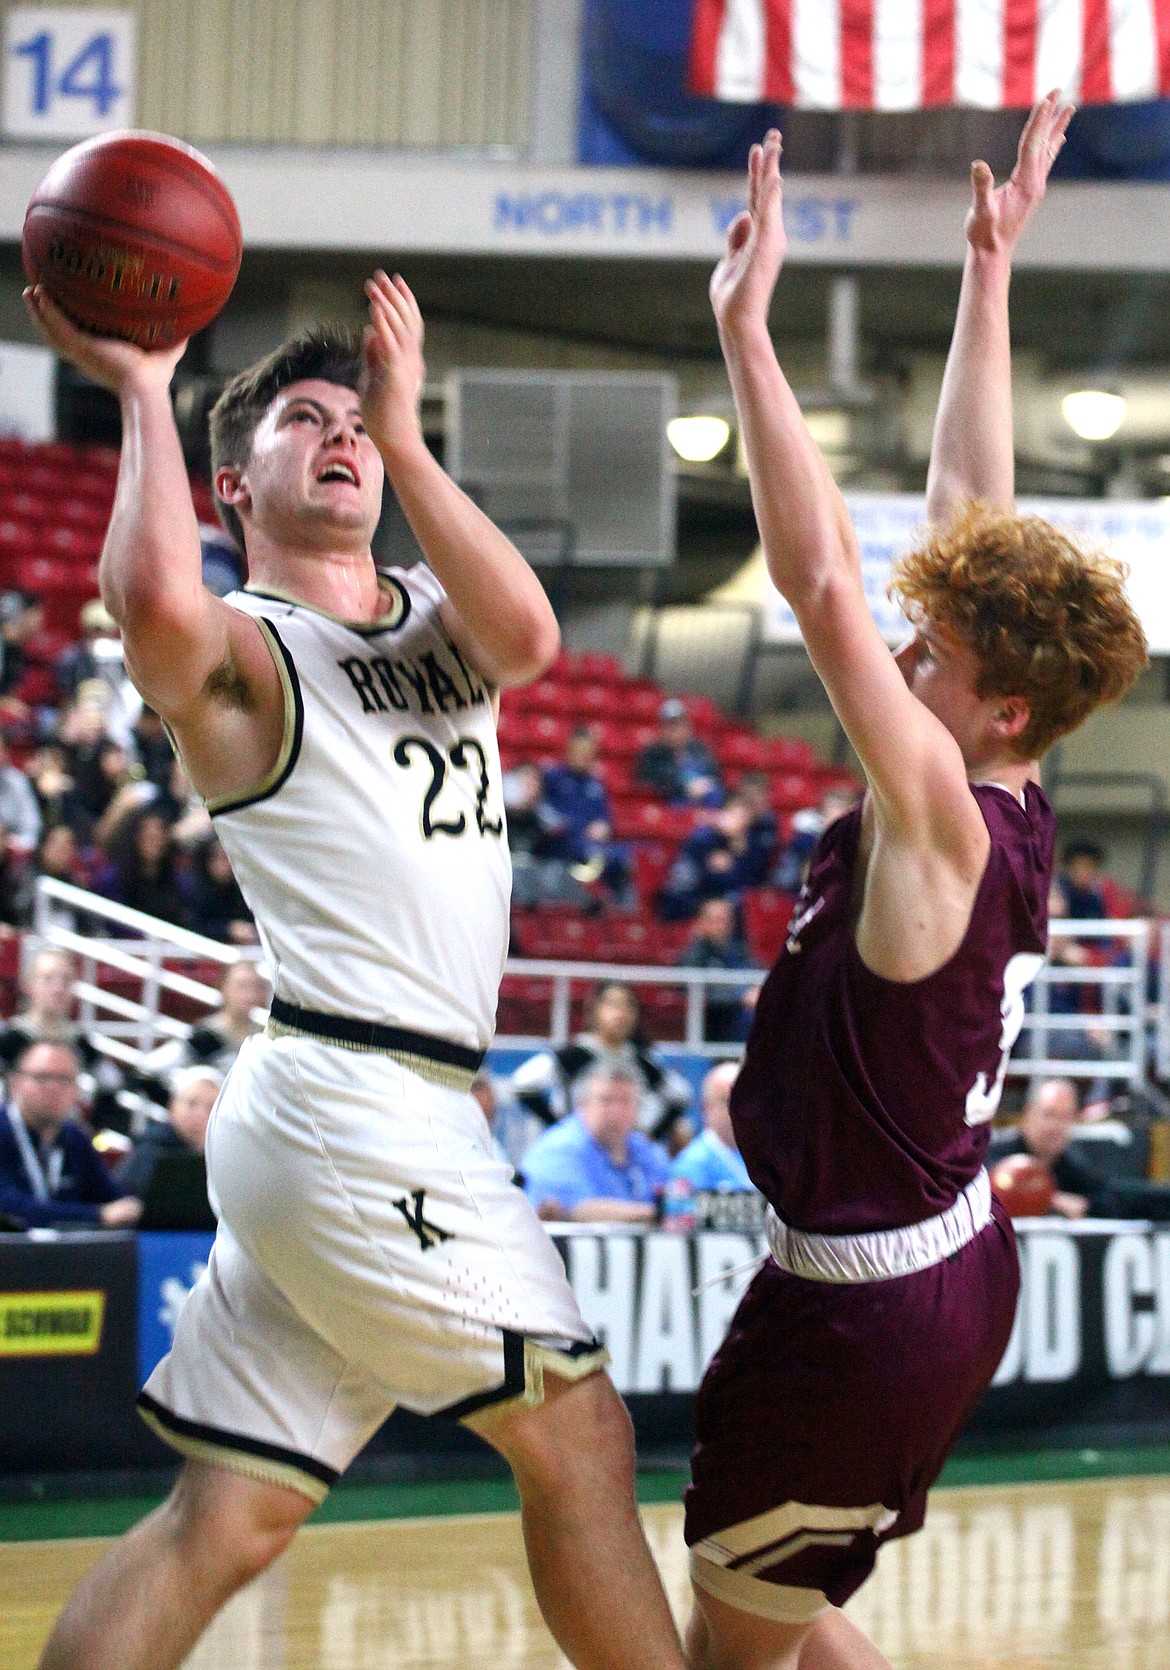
column 678, row 1206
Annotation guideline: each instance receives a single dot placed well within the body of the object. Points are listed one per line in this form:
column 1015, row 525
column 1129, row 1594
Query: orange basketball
column 134, row 235
column 1023, row 1185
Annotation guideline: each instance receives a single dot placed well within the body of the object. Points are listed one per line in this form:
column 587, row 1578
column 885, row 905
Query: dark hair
column 1082, row 849
column 332, row 353
column 637, row 1036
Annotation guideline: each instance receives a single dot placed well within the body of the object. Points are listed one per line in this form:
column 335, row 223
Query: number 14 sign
column 67, row 73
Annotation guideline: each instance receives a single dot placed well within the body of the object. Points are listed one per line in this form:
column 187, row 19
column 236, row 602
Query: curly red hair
column 1045, row 619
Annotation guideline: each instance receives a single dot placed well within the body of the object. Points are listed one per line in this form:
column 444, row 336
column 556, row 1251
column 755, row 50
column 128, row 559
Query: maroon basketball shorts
column 826, row 1415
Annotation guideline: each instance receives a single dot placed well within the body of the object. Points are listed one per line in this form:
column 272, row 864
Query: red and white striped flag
column 907, row 54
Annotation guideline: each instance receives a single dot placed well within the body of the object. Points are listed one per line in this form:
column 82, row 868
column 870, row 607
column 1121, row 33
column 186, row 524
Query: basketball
column 134, row 235
column 1023, row 1185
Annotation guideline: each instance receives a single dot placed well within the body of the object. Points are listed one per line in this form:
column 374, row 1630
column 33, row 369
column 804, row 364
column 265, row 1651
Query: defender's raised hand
column 392, row 381
column 998, row 215
column 742, row 283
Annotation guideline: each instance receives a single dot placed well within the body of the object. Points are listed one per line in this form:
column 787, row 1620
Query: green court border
column 50, row 1520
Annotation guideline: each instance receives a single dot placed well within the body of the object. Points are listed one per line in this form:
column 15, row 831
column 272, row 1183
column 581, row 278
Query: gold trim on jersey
column 441, row 1073
column 223, row 1453
column 539, row 1359
column 241, row 797
column 400, row 606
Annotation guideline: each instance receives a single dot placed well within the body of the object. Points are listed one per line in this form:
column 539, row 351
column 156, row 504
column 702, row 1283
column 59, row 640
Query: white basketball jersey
column 374, row 856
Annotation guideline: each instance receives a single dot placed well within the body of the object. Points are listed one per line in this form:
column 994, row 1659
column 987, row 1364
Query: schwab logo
column 51, row 1324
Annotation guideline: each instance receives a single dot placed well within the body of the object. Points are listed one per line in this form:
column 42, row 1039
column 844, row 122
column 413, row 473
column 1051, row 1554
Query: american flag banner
column 910, row 54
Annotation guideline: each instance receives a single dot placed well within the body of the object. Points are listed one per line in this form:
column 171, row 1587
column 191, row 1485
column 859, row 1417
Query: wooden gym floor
column 1070, row 1574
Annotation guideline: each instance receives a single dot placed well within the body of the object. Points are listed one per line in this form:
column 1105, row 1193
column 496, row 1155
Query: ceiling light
column 1094, row 414
column 698, row 439
column 829, row 428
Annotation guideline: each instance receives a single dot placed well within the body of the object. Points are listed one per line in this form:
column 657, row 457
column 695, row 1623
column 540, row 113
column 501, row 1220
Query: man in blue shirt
column 712, row 1161
column 595, row 1166
column 50, row 1172
column 578, row 796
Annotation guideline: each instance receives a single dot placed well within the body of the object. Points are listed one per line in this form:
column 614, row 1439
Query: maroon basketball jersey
column 865, row 1103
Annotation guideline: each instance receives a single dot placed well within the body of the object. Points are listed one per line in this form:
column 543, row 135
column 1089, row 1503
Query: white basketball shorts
column 371, row 1252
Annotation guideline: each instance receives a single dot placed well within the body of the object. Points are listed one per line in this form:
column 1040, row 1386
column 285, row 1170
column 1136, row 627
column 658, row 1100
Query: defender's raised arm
column 971, row 454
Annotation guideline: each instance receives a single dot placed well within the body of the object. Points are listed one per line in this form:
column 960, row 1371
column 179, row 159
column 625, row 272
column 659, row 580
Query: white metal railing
column 130, row 1028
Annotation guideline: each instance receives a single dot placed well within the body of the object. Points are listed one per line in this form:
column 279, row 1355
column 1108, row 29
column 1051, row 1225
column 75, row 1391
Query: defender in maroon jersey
column 882, row 1036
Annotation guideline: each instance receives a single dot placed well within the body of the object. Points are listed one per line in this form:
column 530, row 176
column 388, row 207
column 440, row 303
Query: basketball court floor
column 1071, row 1574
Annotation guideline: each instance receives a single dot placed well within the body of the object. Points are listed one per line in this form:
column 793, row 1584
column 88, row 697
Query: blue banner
column 169, row 1265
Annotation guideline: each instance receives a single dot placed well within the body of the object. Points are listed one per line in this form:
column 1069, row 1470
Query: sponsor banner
column 67, row 1360
column 169, row 1265
column 51, row 1324
column 888, row 524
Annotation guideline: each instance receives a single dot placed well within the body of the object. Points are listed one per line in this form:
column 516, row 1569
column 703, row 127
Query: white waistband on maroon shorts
column 881, row 1253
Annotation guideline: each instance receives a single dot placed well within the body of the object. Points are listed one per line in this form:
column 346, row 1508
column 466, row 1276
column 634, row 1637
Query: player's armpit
column 230, row 731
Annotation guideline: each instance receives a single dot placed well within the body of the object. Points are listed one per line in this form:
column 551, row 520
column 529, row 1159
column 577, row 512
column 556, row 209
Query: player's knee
column 233, row 1526
column 582, row 1425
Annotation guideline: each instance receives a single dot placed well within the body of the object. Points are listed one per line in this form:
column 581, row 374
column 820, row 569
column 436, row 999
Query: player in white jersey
column 371, row 1250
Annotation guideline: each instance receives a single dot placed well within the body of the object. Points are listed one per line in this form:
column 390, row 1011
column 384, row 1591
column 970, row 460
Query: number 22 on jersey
column 464, row 754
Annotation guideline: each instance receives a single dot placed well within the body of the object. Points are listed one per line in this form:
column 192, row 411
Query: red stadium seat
column 637, row 820
column 596, row 667
column 743, row 751
column 598, row 701
column 548, row 695
column 641, row 702
column 622, row 740
column 664, row 1012
column 652, row 860
column 525, row 1006
column 558, row 937
column 766, row 915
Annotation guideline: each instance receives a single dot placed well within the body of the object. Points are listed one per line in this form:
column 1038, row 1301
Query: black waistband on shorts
column 372, row 1035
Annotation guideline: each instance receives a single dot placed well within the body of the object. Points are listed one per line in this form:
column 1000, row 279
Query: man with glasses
column 50, row 1172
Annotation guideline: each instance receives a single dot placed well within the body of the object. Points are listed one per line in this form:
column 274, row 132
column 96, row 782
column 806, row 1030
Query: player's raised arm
column 915, row 768
column 175, row 631
column 971, row 453
column 498, row 606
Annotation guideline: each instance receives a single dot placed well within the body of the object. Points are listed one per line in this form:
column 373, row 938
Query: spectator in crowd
column 595, row 1166
column 22, row 616
column 16, row 886
column 183, row 1130
column 60, row 859
column 678, row 766
column 96, row 765
column 142, row 871
column 545, row 1083
column 50, row 1172
column 717, row 943
column 539, row 876
column 755, row 791
column 152, row 747
column 217, row 1041
column 1047, row 1131
column 718, row 860
column 483, row 1088
column 1082, row 1043
column 19, row 811
column 1080, row 879
column 215, row 905
column 49, row 774
column 47, row 1017
column 807, row 827
column 712, row 1161
column 576, row 794
column 95, row 664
